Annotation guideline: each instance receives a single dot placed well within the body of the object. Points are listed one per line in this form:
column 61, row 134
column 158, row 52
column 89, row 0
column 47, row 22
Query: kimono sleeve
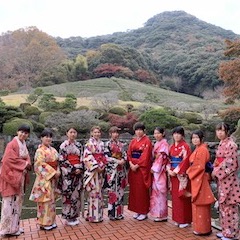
column 184, row 164
column 90, row 162
column 146, row 155
column 42, row 169
column 230, row 163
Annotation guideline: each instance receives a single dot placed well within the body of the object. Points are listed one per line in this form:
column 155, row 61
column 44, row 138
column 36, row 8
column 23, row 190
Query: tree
column 48, row 102
column 33, row 97
column 70, row 102
column 229, row 71
column 25, row 54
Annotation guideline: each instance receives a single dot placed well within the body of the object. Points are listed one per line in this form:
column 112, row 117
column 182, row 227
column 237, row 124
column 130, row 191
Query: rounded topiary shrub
column 31, row 110
column 43, row 116
column 10, row 127
column 23, row 106
column 82, row 108
column 37, row 126
column 118, row 110
column 104, row 126
column 192, row 117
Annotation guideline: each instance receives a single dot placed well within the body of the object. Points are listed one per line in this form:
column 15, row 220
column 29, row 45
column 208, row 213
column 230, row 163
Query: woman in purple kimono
column 70, row 182
column 158, row 202
column 225, row 171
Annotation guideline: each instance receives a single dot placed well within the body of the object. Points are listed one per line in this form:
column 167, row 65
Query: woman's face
column 221, row 134
column 157, row 135
column 96, row 134
column 115, row 135
column 46, row 140
column 177, row 137
column 139, row 133
column 196, row 140
column 72, row 134
column 22, row 135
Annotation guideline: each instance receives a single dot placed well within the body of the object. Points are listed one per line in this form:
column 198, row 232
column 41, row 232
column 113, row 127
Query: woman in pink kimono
column 158, row 201
column 13, row 177
column 95, row 162
column 225, row 171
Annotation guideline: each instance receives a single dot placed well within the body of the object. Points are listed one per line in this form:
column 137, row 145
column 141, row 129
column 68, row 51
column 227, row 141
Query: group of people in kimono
column 149, row 170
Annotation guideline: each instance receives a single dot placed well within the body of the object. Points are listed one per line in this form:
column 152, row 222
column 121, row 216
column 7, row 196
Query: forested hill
column 182, row 51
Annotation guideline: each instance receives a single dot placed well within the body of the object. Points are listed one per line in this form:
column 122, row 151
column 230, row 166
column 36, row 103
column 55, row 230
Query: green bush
column 10, row 127
column 23, row 106
column 118, row 110
column 31, row 110
column 43, row 116
column 104, row 126
column 159, row 117
column 192, row 117
column 37, row 126
column 82, row 108
column 193, row 126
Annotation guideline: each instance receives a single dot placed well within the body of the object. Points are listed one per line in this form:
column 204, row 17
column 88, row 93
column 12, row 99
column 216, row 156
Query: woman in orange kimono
column 180, row 187
column 199, row 175
column 139, row 156
column 226, row 172
column 13, row 177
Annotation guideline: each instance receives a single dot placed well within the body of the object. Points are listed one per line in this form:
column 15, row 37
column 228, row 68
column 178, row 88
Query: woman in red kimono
column 139, row 156
column 199, row 175
column 179, row 159
column 225, row 171
column 13, row 177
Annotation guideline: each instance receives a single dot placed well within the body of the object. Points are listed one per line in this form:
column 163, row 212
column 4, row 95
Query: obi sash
column 136, row 154
column 208, row 167
column 100, row 158
column 53, row 164
column 73, row 159
column 218, row 161
column 175, row 161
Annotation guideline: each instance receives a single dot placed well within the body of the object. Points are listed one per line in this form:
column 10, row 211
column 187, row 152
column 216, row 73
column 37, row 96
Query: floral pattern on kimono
column 70, row 184
column 225, row 169
column 158, row 201
column 115, row 178
column 93, row 180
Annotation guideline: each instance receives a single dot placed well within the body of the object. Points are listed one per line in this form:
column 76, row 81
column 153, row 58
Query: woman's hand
column 100, row 170
column 171, row 173
column 78, row 171
column 134, row 167
column 121, row 162
column 57, row 175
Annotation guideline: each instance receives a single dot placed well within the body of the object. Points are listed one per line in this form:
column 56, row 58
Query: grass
column 85, row 90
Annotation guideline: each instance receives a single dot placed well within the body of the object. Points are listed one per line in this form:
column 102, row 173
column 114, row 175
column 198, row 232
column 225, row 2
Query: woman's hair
column 139, row 125
column 113, row 129
column 199, row 133
column 223, row 126
column 95, row 127
column 25, row 128
column 46, row 133
column 179, row 130
column 160, row 130
column 71, row 128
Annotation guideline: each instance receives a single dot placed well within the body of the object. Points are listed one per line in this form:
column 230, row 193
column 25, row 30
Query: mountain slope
column 185, row 50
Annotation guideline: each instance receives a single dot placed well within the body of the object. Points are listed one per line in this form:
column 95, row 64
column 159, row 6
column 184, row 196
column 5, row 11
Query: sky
column 88, row 18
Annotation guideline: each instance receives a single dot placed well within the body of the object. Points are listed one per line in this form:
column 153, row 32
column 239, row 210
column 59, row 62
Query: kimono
column 44, row 190
column 13, row 178
column 70, row 184
column 94, row 159
column 115, row 179
column 225, row 170
column 181, row 205
column 202, row 196
column 140, row 152
column 158, row 200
